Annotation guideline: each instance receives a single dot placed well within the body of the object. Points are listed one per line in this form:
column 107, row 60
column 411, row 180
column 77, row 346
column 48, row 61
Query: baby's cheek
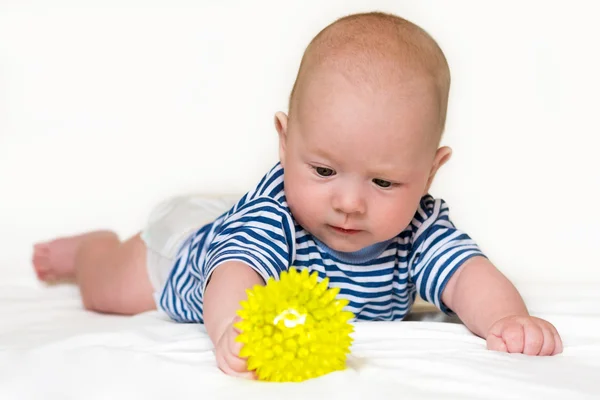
column 306, row 203
column 295, row 197
column 392, row 219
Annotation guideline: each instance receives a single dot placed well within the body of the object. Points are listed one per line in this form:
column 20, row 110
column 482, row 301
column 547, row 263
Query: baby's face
column 357, row 160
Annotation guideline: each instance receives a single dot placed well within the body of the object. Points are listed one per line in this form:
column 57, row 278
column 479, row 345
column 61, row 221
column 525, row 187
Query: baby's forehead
column 349, row 143
column 335, row 110
column 332, row 93
column 344, row 117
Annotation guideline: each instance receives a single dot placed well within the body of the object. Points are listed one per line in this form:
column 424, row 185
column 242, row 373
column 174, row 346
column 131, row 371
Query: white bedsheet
column 51, row 349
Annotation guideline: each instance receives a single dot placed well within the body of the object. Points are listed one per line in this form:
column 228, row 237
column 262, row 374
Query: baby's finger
column 226, row 368
column 514, row 338
column 496, row 343
column 533, row 338
column 549, row 342
column 237, row 364
column 234, row 346
column 250, row 375
column 558, row 344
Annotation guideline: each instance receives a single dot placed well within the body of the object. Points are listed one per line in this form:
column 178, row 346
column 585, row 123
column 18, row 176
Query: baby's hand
column 524, row 334
column 228, row 351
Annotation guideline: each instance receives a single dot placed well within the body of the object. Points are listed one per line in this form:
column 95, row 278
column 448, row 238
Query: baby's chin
column 349, row 248
column 344, row 243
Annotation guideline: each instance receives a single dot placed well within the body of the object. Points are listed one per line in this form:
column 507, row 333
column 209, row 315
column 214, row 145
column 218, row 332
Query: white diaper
column 170, row 224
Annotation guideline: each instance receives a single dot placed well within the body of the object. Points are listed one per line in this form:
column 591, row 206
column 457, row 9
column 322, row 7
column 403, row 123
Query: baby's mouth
column 343, row 230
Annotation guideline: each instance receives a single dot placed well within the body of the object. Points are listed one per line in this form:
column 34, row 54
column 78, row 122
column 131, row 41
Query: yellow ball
column 294, row 329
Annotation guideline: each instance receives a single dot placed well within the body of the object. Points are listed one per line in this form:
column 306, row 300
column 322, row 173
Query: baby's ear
column 442, row 156
column 281, row 121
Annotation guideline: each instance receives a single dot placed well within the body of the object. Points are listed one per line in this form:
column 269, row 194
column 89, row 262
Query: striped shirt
column 379, row 281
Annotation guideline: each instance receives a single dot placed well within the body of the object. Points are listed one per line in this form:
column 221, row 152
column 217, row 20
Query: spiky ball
column 294, row 329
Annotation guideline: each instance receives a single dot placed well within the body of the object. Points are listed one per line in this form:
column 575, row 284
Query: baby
column 349, row 199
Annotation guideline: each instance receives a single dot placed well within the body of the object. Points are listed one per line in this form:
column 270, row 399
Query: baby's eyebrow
column 388, row 169
column 389, row 176
column 322, row 153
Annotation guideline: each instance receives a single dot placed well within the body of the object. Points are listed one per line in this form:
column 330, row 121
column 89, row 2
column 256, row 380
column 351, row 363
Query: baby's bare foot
column 55, row 260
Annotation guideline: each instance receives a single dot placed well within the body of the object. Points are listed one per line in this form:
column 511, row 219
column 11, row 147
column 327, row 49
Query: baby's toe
column 41, row 262
column 41, row 248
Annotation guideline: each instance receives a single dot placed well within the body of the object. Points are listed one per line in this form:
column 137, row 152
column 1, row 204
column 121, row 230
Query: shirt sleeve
column 260, row 234
column 438, row 250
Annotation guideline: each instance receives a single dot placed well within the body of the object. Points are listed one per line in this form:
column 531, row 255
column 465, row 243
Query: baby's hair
column 357, row 43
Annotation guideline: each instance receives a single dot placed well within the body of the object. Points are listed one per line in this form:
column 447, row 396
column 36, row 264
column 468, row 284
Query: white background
column 108, row 107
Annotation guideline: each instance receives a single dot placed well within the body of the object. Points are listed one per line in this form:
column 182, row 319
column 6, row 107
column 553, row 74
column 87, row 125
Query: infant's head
column 360, row 145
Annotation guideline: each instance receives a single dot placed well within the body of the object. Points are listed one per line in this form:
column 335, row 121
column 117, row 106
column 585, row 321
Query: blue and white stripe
column 380, row 282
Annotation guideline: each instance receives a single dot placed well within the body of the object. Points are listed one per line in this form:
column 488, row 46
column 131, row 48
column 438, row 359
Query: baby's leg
column 111, row 274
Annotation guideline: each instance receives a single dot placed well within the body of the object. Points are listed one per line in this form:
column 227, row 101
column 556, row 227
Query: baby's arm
column 226, row 288
column 253, row 243
column 491, row 307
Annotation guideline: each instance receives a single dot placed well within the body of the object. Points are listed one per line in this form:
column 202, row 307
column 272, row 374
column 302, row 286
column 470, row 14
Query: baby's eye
column 322, row 171
column 382, row 183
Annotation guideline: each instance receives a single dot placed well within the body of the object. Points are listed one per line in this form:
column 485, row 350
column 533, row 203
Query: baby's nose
column 349, row 202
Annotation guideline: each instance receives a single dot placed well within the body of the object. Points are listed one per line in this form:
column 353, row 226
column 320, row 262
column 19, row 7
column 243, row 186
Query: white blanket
column 50, row 348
